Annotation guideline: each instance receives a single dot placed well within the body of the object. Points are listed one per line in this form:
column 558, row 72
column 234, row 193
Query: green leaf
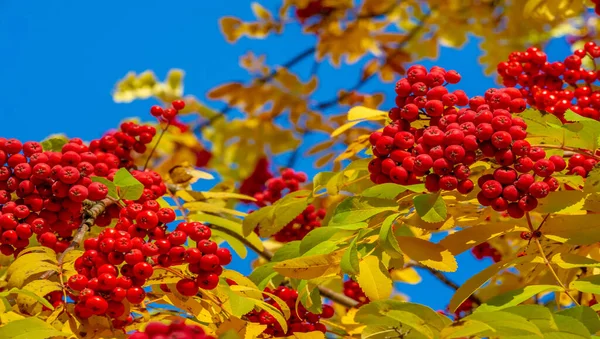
column 288, row 251
column 112, row 188
column 128, row 187
column 323, row 248
column 256, row 218
column 321, row 234
column 515, row 297
column 430, row 207
column 349, row 262
column 320, row 180
column 590, row 284
column 539, row 315
column 54, row 144
column 504, row 324
column 286, row 210
column 357, row 209
column 585, row 315
column 387, row 240
column 465, row 329
column 262, row 275
column 585, row 131
column 29, row 328
column 592, row 181
column 562, row 202
column 568, row 325
column 374, row 278
column 390, row 190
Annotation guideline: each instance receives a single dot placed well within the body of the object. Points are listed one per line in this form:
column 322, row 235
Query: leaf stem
column 162, row 132
column 546, row 261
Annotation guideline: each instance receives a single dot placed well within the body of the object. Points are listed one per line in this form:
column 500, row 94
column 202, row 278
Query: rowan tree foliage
column 111, row 238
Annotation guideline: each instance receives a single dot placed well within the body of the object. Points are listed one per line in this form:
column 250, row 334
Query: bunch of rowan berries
column 300, row 321
column 255, row 182
column 175, row 330
column 545, row 84
column 275, row 189
column 485, row 250
column 353, row 290
column 440, row 154
column 117, row 263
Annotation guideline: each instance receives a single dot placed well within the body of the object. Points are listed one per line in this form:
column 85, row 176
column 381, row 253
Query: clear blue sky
column 61, row 59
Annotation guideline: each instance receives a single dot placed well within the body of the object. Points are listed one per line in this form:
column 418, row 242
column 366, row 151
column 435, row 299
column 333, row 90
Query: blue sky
column 61, row 59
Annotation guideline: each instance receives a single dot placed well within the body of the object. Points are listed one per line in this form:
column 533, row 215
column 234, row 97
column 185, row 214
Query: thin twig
column 546, row 261
column 90, row 218
column 156, row 144
column 445, row 280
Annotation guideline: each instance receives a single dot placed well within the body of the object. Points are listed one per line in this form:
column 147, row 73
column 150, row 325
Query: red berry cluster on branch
column 581, row 165
column 352, row 290
column 175, row 330
column 555, row 87
column 255, row 183
column 117, row 263
column 276, row 188
column 300, row 321
column 440, row 154
column 485, row 250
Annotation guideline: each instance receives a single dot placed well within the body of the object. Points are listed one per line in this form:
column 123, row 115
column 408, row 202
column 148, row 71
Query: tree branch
column 90, row 215
column 443, row 279
column 363, row 81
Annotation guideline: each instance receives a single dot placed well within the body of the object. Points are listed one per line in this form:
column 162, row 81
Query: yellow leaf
column 27, row 270
column 243, row 329
column 308, row 335
column 374, row 279
column 407, row 275
column 192, row 306
column 185, row 175
column 371, row 67
column 476, row 281
column 361, row 113
column 427, row 253
column 344, row 128
column 465, row 239
column 573, row 229
column 311, row 267
column 260, row 12
column 40, row 288
column 211, row 208
column 160, row 276
column 200, row 196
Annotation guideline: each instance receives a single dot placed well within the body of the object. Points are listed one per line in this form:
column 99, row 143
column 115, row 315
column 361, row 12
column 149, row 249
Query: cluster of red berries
column 581, row 165
column 255, row 182
column 441, row 153
column 507, row 190
column 51, row 187
column 275, row 189
column 167, row 114
column 313, row 8
column 485, row 250
column 175, row 330
column 465, row 308
column 352, row 290
column 47, row 194
column 544, row 84
column 300, row 321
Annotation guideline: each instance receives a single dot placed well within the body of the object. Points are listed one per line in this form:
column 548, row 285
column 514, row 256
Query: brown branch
column 442, row 278
column 90, row 215
column 363, row 81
